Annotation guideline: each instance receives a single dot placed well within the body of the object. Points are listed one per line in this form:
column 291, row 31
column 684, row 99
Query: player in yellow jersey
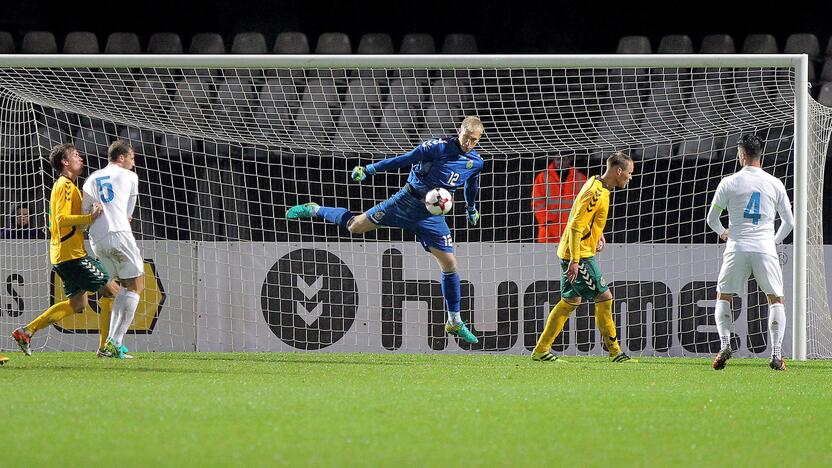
column 79, row 272
column 580, row 277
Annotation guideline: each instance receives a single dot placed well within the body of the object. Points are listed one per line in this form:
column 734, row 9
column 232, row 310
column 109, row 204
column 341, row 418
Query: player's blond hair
column 472, row 123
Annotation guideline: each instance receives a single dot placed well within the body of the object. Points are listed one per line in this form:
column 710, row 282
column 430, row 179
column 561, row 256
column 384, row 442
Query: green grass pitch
column 271, row 409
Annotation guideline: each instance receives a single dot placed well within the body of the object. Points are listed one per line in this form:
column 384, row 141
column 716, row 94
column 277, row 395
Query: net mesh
column 222, row 153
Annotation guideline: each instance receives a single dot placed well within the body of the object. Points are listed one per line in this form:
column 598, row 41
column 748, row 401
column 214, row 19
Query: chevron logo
column 585, row 276
column 309, row 306
column 593, row 202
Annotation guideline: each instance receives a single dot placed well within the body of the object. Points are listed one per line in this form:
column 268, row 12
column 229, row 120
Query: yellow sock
column 606, row 325
column 52, row 315
column 105, row 310
column 554, row 325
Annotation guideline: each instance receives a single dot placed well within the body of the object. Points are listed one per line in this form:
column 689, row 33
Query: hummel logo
column 585, row 275
column 309, row 287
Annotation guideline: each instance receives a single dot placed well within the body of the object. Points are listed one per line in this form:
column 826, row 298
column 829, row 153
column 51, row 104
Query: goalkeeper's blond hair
column 472, row 123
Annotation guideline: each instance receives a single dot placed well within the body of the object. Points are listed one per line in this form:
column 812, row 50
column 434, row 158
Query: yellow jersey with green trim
column 66, row 222
column 586, row 221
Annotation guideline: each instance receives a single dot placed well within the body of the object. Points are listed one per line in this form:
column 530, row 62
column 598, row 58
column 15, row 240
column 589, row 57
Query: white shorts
column 738, row 266
column 120, row 255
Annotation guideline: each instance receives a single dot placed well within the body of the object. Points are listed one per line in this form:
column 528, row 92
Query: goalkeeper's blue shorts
column 407, row 211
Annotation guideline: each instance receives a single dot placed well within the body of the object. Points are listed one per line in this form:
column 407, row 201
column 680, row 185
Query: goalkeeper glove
column 359, row 173
column 473, row 216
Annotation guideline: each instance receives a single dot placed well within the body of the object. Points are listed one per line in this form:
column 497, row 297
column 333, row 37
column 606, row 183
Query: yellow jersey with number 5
column 586, row 221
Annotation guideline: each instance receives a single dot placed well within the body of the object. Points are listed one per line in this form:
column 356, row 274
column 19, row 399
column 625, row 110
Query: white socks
column 124, row 309
column 115, row 316
column 776, row 327
column 724, row 322
column 454, row 317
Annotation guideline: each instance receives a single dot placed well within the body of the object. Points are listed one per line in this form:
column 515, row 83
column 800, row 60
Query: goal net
column 225, row 145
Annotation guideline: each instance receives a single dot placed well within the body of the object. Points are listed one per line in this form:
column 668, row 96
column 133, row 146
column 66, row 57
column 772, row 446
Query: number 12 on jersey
column 752, row 209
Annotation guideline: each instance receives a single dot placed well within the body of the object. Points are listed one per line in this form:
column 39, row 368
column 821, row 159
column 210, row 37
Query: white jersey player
column 116, row 188
column 753, row 199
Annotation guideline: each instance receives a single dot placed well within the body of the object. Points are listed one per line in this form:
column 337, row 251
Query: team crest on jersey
column 469, row 165
column 377, row 216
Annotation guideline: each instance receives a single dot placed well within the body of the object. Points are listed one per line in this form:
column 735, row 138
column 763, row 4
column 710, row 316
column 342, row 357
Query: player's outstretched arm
column 418, row 154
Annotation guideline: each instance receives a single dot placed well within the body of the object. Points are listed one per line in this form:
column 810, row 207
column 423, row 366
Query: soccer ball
column 438, row 201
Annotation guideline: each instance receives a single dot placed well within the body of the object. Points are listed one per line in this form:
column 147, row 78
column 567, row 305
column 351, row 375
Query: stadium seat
column 39, row 42
column 151, row 93
column 313, row 119
column 276, row 101
column 417, row 43
column 826, row 71
column 718, row 44
column 803, row 44
column 459, row 44
column 207, row 43
column 235, row 92
column 825, row 95
column 707, row 104
column 376, row 43
column 291, row 43
column 280, row 90
column 194, row 89
column 6, row 43
column 356, row 126
column 249, row 43
column 363, row 92
column 634, row 45
column 398, row 126
column 759, row 44
column 321, row 90
column 333, row 43
column 440, row 120
column 123, row 43
column 175, row 145
column 81, row 42
column 164, row 43
column 406, row 93
column 675, row 44
column 450, row 91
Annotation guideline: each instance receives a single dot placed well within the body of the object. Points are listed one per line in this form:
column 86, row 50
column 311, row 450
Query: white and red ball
column 438, row 201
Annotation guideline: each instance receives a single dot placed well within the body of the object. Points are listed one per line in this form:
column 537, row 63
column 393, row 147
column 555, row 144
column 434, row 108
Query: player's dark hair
column 619, row 159
column 58, row 154
column 118, row 148
column 751, row 145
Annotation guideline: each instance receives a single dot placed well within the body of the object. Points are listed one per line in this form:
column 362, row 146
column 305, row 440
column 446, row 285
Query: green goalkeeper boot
column 307, row 210
column 461, row 331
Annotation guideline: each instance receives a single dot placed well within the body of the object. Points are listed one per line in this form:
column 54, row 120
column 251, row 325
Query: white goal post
column 341, row 108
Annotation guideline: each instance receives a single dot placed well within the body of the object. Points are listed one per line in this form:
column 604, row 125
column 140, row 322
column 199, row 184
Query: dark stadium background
column 498, row 26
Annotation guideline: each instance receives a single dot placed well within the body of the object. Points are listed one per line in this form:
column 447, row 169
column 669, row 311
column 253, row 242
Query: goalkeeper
column 448, row 162
column 580, row 277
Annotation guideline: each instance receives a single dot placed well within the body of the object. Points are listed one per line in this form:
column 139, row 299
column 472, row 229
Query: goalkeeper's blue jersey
column 439, row 162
